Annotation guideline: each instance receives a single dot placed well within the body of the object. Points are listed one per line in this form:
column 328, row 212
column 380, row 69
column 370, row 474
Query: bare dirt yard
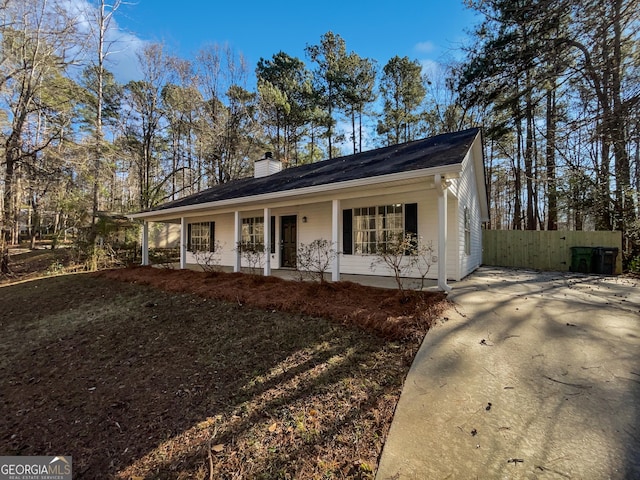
column 151, row 373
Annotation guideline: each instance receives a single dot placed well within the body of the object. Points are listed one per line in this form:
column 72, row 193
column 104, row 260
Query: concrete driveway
column 531, row 375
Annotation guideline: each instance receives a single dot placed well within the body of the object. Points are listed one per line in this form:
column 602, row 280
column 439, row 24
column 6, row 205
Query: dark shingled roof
column 437, row 151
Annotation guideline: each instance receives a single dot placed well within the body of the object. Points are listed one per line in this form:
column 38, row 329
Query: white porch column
column 145, row 243
column 335, row 239
column 237, row 238
column 184, row 232
column 267, row 242
column 441, row 188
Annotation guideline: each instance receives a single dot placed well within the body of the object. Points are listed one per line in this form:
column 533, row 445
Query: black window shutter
column 212, row 236
column 347, row 232
column 272, row 238
column 188, row 237
column 411, row 219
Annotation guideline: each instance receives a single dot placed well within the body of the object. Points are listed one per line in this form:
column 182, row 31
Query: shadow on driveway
column 530, row 374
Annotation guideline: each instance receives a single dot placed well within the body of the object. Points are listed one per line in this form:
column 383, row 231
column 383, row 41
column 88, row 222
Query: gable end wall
column 467, row 193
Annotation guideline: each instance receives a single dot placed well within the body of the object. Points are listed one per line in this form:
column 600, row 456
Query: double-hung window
column 375, row 227
column 253, row 231
column 200, row 237
column 467, row 231
column 366, row 230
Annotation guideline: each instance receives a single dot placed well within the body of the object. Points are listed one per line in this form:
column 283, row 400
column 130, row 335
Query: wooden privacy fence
column 543, row 250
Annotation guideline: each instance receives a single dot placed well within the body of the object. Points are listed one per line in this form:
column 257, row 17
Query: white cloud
column 121, row 46
column 122, row 60
column 425, row 47
column 431, row 68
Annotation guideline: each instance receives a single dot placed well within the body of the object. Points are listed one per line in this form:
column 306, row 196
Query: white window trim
column 203, row 243
column 380, row 229
column 252, row 231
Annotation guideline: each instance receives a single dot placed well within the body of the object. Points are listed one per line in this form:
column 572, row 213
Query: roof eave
column 483, row 197
column 453, row 169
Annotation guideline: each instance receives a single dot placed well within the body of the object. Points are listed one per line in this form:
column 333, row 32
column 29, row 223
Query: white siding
column 318, row 226
column 223, row 236
column 453, row 236
column 461, row 192
column 468, row 197
column 427, row 229
column 318, row 222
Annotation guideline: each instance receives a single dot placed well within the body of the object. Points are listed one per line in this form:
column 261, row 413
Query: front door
column 288, row 241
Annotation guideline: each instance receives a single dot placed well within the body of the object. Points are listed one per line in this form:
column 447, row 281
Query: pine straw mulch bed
column 389, row 313
column 143, row 373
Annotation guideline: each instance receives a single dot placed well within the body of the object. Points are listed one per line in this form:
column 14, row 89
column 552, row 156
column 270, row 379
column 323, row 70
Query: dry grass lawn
column 135, row 381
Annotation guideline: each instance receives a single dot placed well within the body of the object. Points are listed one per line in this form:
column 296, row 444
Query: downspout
column 441, row 188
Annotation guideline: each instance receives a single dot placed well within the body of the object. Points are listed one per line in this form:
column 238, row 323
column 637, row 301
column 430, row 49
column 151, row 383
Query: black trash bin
column 603, row 260
column 581, row 259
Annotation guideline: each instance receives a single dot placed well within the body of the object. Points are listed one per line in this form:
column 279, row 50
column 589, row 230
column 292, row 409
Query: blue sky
column 429, row 31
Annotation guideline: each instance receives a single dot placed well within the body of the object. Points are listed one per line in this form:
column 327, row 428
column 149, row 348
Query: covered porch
column 318, row 215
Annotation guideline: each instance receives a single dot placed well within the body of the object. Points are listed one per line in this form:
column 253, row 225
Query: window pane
column 200, row 240
column 374, row 227
column 253, row 230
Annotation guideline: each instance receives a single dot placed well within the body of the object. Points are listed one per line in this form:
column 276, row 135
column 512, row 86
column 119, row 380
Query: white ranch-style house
column 433, row 188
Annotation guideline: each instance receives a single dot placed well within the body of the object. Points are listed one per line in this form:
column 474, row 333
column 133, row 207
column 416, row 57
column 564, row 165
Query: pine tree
column 330, row 79
column 283, row 87
column 403, row 91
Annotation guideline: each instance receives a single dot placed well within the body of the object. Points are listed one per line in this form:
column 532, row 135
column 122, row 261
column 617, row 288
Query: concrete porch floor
column 368, row 280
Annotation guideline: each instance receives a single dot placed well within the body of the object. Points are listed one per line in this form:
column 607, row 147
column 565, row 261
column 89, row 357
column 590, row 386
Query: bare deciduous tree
column 36, row 40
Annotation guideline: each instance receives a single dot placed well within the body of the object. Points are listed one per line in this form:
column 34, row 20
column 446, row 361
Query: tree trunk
column 330, row 126
column 552, row 192
column 489, row 182
column 528, row 156
column 7, row 213
column 517, row 209
column 8, row 220
column 360, row 130
column 603, row 211
column 353, row 129
column 624, row 204
column 35, row 224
